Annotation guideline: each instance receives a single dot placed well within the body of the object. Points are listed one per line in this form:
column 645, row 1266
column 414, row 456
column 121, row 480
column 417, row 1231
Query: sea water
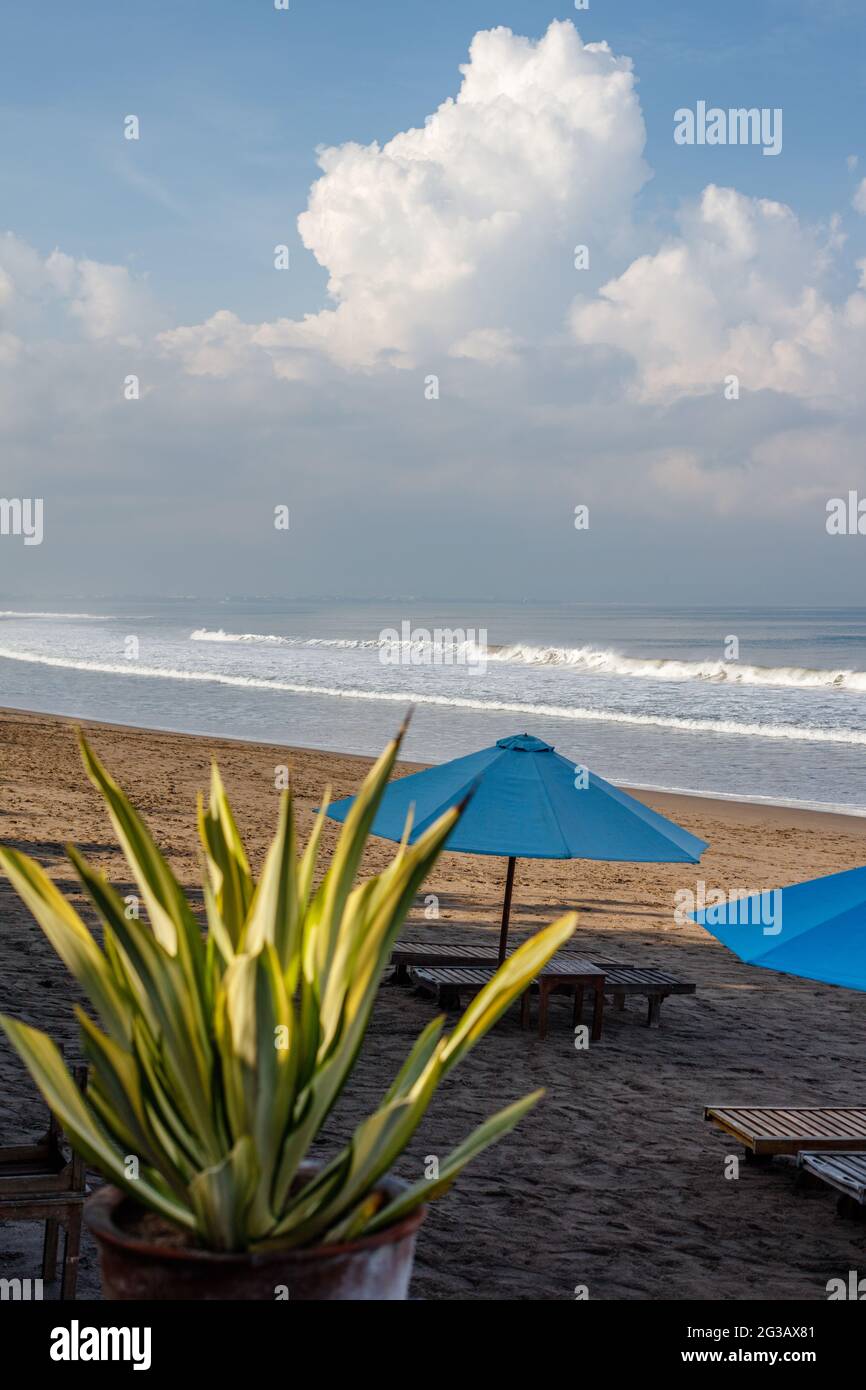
column 649, row 697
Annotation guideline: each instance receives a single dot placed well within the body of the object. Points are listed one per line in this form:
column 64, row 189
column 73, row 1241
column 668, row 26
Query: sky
column 432, row 385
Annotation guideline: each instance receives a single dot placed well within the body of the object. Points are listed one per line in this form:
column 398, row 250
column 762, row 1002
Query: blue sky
column 234, row 98
column 451, row 254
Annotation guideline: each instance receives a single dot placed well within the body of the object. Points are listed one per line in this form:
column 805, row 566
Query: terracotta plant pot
column 135, row 1266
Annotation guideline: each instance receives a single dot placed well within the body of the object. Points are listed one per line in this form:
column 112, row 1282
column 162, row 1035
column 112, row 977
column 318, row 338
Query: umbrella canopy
column 530, row 802
column 815, row 929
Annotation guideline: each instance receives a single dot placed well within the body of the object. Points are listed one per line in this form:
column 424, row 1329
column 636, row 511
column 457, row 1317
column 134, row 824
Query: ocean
column 758, row 704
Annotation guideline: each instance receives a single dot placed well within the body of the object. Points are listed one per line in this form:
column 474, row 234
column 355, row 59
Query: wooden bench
column 655, row 985
column 563, row 974
column 769, row 1130
column 846, row 1172
column 39, row 1183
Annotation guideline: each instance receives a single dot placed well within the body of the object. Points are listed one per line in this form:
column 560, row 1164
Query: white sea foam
column 597, row 661
column 603, row 662
column 420, row 645
column 730, row 727
column 204, row 634
column 29, row 613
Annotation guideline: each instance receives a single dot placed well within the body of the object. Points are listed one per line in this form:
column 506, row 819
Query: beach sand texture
column 614, row 1182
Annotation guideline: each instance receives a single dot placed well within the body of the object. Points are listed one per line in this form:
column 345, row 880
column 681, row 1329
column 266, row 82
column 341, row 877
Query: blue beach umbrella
column 815, row 929
column 529, row 802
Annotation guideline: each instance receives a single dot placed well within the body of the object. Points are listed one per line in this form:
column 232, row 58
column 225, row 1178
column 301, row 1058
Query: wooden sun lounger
column 569, row 973
column 769, row 1130
column 655, row 985
column 39, row 1183
column 439, row 953
column 844, row 1171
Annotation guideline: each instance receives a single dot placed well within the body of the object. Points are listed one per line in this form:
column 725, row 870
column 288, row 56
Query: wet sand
column 615, row 1182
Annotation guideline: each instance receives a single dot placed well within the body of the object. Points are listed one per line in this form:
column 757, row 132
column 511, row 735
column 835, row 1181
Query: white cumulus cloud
column 103, row 301
column 466, row 225
column 738, row 292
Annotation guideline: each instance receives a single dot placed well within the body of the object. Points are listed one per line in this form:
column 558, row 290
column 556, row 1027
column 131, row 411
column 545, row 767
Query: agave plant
column 220, row 1056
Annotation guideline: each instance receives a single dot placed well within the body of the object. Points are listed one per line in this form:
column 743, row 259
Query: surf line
column 797, row 733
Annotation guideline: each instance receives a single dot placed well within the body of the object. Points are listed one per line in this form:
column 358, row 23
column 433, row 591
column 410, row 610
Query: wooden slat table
column 564, row 973
column 844, row 1171
column 768, row 1130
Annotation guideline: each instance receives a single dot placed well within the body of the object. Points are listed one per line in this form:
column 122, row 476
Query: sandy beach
column 615, row 1182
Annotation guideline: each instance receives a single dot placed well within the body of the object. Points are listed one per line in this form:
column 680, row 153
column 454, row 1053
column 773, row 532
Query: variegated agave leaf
column 217, row 1061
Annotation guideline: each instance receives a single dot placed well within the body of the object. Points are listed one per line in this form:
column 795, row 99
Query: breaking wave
column 728, row 727
column 29, row 613
column 602, row 662
column 587, row 660
column 357, row 644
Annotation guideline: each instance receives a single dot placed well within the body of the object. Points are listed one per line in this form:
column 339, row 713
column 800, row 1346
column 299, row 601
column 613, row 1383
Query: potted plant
column 217, row 1058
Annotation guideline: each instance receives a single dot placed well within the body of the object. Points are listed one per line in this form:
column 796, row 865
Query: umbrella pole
column 506, row 909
